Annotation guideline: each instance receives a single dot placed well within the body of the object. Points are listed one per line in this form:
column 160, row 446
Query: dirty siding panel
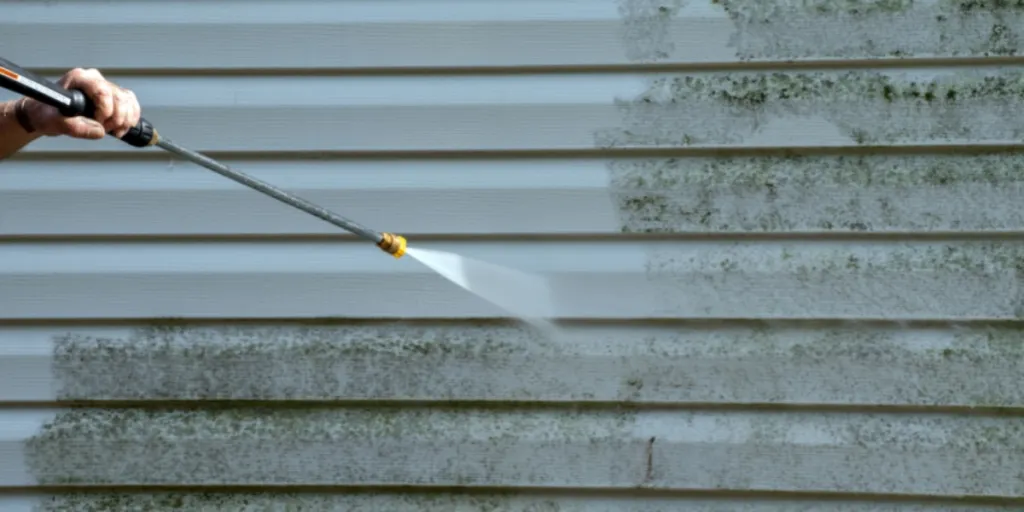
column 729, row 194
column 225, row 34
column 835, row 364
column 941, row 455
column 446, row 502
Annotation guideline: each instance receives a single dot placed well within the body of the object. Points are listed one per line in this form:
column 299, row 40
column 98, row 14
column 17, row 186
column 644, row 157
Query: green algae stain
column 807, row 171
column 466, row 339
column 969, row 438
column 293, row 502
column 1004, row 16
column 969, row 6
column 308, row 362
column 980, row 259
column 836, row 346
column 1004, row 344
column 647, row 33
column 755, row 90
column 790, row 29
column 235, row 424
column 917, row 280
column 870, row 107
column 260, row 445
column 215, row 442
column 833, row 193
column 951, row 363
column 768, row 11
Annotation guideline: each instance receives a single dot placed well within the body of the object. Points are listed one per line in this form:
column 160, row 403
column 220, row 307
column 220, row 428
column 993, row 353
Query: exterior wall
column 783, row 237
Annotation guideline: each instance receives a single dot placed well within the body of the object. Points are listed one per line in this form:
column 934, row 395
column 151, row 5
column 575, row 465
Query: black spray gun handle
column 70, row 103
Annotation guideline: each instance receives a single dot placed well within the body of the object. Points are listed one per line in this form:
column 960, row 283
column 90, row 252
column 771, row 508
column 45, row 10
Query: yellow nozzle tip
column 392, row 244
column 401, row 247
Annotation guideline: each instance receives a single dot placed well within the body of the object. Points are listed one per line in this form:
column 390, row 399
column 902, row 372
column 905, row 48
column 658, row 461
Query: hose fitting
column 392, row 244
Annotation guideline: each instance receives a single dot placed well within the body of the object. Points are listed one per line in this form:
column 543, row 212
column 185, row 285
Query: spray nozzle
column 392, row 244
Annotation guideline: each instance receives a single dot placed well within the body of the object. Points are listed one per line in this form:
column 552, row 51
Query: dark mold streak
column 269, row 445
column 870, row 107
column 794, row 29
column 294, row 502
column 831, row 193
column 754, row 90
column 190, row 362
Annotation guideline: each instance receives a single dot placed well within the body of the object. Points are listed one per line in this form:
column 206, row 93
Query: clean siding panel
column 326, row 35
column 831, row 322
column 896, row 280
column 409, row 197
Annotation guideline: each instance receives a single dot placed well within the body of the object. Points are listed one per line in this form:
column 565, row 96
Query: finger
column 128, row 113
column 117, row 116
column 136, row 108
column 84, row 128
column 97, row 88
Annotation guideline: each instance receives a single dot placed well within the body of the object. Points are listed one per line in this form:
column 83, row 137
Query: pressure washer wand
column 390, row 243
column 74, row 102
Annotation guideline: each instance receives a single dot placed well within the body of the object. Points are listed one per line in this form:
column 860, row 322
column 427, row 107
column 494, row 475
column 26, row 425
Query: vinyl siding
column 783, row 239
column 330, row 35
column 777, row 109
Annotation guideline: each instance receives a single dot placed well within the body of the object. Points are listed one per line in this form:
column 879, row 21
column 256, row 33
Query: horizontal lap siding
column 699, row 110
column 785, row 258
column 446, row 502
column 884, row 279
column 737, row 363
column 669, row 450
column 878, row 193
column 331, row 35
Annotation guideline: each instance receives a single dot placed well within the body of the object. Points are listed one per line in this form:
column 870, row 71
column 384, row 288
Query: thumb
column 84, row 128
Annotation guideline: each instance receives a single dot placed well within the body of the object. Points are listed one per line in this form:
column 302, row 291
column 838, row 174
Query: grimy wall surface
column 785, row 238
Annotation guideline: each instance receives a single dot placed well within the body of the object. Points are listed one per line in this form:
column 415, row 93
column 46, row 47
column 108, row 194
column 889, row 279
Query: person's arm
column 13, row 136
column 117, row 111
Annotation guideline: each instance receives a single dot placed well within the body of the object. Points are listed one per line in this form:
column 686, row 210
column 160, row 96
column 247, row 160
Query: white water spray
column 526, row 296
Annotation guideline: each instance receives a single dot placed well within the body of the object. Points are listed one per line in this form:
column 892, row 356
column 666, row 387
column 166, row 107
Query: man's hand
column 117, row 109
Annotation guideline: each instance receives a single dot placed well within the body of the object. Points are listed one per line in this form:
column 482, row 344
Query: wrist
column 17, row 115
column 21, row 116
column 13, row 137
